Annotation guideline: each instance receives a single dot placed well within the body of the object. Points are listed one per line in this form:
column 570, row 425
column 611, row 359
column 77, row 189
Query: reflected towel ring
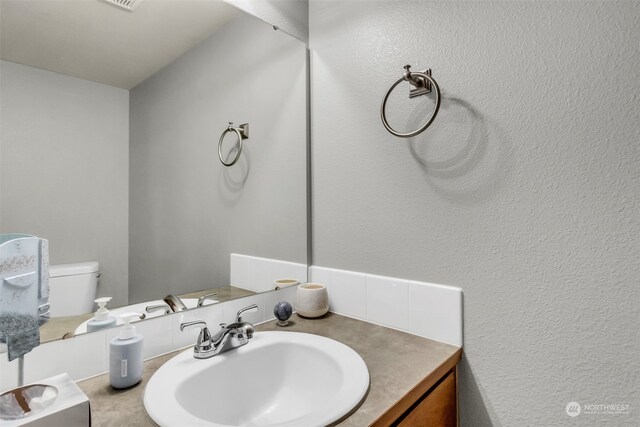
column 423, row 83
column 242, row 132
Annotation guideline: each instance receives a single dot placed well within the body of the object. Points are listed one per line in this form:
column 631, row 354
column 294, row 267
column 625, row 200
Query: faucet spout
column 174, row 303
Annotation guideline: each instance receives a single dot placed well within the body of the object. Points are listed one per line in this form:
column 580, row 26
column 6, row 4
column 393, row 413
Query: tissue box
column 69, row 408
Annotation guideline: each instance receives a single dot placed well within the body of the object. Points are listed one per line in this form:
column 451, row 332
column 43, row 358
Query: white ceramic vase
column 312, row 300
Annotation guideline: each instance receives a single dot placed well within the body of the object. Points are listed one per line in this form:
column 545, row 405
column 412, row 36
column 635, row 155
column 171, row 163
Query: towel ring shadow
column 242, row 132
column 423, row 83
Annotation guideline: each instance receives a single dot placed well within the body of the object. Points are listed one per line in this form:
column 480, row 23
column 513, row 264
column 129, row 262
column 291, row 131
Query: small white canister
column 312, row 300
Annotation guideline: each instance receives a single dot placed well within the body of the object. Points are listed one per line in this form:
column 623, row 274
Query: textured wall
column 64, row 168
column 290, row 15
column 189, row 212
column 525, row 192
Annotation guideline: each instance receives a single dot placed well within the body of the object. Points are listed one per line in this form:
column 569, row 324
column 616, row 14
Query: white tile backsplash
column 260, row 278
column 301, row 272
column 239, row 271
column 230, row 309
column 388, row 301
column 420, row 308
column 435, row 312
column 82, row 357
column 258, row 274
column 347, row 293
column 320, row 275
column 288, row 270
column 157, row 340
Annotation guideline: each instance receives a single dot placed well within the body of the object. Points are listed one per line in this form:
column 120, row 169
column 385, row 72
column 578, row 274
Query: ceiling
column 97, row 41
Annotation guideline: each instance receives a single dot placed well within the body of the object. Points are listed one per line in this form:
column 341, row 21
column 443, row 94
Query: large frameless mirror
column 112, row 151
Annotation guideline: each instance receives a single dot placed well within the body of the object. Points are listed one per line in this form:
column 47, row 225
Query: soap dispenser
column 125, row 354
column 102, row 319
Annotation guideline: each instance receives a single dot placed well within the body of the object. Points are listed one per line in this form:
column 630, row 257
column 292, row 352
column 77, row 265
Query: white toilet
column 72, row 288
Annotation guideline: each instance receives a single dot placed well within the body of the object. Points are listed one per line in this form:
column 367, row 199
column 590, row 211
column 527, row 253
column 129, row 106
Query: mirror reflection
column 112, row 151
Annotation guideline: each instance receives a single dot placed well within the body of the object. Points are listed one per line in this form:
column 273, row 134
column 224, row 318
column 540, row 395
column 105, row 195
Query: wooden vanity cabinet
column 431, row 403
column 436, row 408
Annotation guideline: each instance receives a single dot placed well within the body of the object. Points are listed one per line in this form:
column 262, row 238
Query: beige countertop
column 398, row 363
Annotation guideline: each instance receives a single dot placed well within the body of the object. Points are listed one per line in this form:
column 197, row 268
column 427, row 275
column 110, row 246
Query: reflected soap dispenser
column 125, row 354
column 102, row 319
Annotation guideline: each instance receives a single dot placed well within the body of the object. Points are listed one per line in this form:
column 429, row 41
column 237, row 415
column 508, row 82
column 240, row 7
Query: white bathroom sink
column 277, row 379
column 140, row 308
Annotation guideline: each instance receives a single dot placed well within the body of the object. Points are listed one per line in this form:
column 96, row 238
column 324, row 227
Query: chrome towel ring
column 423, row 82
column 242, row 132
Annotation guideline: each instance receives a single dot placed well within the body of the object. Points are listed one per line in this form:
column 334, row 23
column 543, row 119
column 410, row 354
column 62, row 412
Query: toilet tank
column 72, row 288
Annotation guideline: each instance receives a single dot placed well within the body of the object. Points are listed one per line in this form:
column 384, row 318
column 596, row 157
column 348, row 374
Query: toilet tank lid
column 73, row 269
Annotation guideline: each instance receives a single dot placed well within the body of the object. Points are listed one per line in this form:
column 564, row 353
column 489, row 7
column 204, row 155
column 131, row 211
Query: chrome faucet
column 228, row 337
column 174, row 303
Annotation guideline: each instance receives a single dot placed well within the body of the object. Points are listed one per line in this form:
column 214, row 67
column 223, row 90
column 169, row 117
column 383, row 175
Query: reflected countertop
column 397, row 363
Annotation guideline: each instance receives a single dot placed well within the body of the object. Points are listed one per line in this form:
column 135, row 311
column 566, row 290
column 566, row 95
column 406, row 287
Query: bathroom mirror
column 111, row 137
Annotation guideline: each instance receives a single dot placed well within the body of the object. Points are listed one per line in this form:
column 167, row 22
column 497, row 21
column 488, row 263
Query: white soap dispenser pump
column 125, row 354
column 103, row 318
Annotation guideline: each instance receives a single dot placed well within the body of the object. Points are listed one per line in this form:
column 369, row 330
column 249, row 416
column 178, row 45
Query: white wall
column 525, row 192
column 292, row 16
column 64, row 168
column 189, row 212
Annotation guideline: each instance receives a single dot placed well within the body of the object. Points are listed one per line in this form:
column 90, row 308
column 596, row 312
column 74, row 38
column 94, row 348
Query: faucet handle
column 195, row 324
column 204, row 338
column 152, row 308
column 249, row 309
column 203, row 298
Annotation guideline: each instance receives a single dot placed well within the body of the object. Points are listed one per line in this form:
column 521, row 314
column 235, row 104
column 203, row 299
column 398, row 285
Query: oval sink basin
column 281, row 379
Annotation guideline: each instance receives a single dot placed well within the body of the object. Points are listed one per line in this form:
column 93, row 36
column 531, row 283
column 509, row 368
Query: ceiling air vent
column 129, row 5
